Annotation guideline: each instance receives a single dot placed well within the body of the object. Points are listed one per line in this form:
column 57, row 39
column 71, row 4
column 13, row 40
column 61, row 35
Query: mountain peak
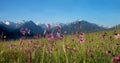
column 30, row 23
column 38, row 23
column 7, row 22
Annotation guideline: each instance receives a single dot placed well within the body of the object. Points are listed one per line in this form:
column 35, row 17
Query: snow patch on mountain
column 38, row 23
column 6, row 22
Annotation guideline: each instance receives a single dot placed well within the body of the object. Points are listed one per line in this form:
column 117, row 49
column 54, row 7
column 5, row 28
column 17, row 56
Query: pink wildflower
column 44, row 32
column 48, row 25
column 102, row 36
column 58, row 35
column 81, row 38
column 117, row 36
column 107, row 52
column 116, row 59
column 58, row 27
column 30, row 41
column 49, row 36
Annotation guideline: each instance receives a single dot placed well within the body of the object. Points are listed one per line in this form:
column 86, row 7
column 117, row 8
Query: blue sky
column 106, row 12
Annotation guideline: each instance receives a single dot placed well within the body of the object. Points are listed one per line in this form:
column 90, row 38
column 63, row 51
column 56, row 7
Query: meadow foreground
column 97, row 47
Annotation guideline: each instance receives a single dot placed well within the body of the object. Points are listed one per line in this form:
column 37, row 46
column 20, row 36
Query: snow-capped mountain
column 38, row 23
column 41, row 25
column 81, row 26
column 51, row 25
column 34, row 29
column 19, row 23
column 32, row 26
column 57, row 24
column 13, row 29
column 8, row 25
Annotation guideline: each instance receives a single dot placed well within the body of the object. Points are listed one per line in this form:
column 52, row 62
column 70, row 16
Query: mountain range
column 12, row 29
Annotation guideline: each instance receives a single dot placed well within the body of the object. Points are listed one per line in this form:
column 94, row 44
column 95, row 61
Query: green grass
column 55, row 51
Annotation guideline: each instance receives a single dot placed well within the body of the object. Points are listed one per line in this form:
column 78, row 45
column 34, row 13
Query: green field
column 94, row 49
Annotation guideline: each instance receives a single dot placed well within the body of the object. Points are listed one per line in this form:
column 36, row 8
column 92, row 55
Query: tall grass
column 65, row 50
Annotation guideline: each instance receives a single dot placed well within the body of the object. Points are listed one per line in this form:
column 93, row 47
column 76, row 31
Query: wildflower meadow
column 95, row 47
